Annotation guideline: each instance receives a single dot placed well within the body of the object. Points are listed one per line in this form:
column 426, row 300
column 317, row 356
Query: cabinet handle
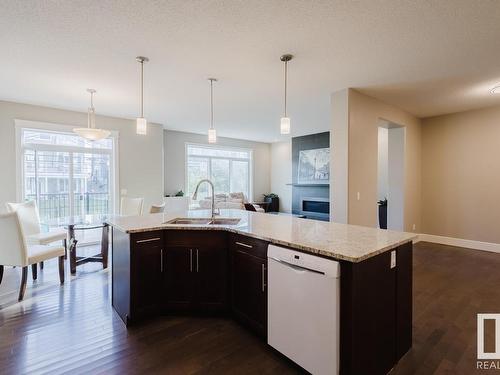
column 161, row 260
column 190, row 260
column 244, row 245
column 148, row 240
column 263, row 278
column 197, row 261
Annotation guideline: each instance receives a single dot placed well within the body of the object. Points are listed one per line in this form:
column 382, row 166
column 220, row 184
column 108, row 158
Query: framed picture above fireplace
column 314, row 166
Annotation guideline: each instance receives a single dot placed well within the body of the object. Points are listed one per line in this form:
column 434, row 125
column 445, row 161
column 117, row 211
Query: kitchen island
column 161, row 265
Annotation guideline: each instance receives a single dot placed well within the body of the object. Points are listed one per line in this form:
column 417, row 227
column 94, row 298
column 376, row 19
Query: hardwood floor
column 451, row 285
column 72, row 328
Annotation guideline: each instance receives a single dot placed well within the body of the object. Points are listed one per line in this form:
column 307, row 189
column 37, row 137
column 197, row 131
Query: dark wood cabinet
column 138, row 274
column 249, row 282
column 211, row 277
column 179, row 283
column 196, row 265
column 375, row 312
column 404, row 298
column 148, row 273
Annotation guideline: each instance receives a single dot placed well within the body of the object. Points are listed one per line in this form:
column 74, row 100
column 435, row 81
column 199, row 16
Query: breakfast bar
column 187, row 262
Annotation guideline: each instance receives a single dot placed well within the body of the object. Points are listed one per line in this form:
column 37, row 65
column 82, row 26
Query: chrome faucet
column 195, row 195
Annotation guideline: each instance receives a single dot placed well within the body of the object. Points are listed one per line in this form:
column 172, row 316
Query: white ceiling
column 428, row 57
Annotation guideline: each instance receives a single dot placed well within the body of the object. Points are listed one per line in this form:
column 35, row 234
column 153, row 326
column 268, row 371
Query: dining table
column 78, row 223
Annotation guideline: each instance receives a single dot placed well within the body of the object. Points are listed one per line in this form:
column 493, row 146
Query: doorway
column 391, row 172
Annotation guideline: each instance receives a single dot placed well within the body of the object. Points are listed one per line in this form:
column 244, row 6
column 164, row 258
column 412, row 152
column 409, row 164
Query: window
column 228, row 168
column 66, row 174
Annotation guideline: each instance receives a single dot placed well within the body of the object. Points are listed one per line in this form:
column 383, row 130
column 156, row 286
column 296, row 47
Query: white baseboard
column 459, row 242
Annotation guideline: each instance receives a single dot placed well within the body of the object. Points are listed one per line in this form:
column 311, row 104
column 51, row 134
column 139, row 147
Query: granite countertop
column 351, row 243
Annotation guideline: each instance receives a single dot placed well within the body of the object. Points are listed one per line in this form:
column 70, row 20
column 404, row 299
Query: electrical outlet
column 359, row 196
column 393, row 259
column 414, row 227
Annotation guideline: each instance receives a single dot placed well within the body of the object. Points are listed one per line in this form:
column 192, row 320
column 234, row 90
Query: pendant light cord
column 286, row 78
column 142, row 89
column 211, row 104
column 91, row 111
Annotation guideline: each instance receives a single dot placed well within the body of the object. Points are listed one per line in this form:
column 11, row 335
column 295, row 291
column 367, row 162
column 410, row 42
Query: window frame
column 221, row 147
column 22, row 125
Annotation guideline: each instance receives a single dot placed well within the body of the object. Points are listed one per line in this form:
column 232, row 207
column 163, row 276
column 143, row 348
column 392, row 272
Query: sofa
column 227, row 201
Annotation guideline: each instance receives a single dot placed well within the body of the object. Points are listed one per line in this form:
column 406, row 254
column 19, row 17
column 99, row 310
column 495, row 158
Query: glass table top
column 78, row 221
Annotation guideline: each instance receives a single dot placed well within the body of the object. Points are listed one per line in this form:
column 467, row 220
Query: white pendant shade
column 285, row 125
column 92, row 134
column 212, row 136
column 141, row 126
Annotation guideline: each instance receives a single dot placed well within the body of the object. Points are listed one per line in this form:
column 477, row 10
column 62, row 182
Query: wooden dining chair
column 15, row 251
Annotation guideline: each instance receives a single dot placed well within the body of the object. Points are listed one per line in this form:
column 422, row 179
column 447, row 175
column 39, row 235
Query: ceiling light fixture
column 285, row 120
column 141, row 122
column 212, row 134
column 90, row 132
column 495, row 90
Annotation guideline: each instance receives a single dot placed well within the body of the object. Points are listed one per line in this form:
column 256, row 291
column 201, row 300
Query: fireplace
column 315, row 208
column 309, row 199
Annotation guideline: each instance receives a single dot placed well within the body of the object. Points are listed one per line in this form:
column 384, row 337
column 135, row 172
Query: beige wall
column 461, row 175
column 140, row 157
column 364, row 115
column 281, row 173
column 339, row 157
column 175, row 160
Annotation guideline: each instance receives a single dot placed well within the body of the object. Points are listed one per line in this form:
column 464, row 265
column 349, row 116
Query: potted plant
column 382, row 213
column 274, row 202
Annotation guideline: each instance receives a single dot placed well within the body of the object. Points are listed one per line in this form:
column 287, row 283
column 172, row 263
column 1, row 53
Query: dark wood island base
column 212, row 271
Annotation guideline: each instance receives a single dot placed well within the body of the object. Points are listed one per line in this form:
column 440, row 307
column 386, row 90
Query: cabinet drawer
column 142, row 239
column 195, row 238
column 249, row 245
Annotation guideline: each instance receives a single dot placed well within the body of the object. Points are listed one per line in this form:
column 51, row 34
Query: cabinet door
column 148, row 279
column 404, row 298
column 211, row 277
column 249, row 290
column 179, row 270
column 368, row 316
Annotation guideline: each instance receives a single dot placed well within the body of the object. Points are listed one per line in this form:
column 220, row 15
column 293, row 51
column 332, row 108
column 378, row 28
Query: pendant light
column 285, row 120
column 141, row 122
column 90, row 132
column 212, row 134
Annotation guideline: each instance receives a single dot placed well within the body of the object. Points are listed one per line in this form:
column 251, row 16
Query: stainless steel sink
column 224, row 221
column 182, row 220
column 204, row 221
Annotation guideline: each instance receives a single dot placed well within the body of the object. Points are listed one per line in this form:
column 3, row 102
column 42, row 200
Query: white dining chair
column 155, row 209
column 131, row 206
column 15, row 251
column 30, row 222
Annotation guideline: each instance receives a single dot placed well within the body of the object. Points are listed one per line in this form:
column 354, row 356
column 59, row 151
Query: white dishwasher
column 303, row 309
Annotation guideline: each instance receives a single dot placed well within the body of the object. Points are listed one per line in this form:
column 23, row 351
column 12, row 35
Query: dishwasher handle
column 296, row 267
